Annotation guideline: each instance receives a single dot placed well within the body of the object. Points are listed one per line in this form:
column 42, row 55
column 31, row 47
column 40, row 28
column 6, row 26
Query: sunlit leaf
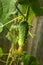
column 31, row 16
column 8, row 6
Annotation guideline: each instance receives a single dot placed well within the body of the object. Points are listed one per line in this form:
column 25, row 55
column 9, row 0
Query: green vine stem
column 19, row 17
column 9, row 55
column 8, row 58
column 11, row 61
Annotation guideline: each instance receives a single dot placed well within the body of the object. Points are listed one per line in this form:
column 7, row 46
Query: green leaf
column 22, row 8
column 7, row 7
column 13, row 34
column 1, row 52
column 31, row 16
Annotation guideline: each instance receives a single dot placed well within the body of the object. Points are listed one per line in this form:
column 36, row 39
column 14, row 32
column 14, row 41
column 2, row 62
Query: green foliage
column 31, row 16
column 23, row 2
column 13, row 34
column 34, row 4
column 30, row 60
column 27, row 60
column 18, row 31
column 35, row 7
column 8, row 6
column 22, row 8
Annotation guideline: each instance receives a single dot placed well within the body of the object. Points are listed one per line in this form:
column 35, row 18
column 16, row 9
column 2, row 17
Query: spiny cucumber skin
column 23, row 31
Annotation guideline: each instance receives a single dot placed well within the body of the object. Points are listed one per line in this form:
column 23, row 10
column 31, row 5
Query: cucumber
column 23, row 31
